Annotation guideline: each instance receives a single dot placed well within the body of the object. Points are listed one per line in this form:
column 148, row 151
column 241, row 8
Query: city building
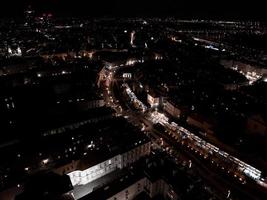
column 99, row 163
column 82, row 172
column 172, row 109
column 201, row 122
column 48, row 186
column 156, row 179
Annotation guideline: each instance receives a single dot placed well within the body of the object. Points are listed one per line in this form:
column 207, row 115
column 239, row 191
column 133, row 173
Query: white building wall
column 120, row 161
column 83, row 177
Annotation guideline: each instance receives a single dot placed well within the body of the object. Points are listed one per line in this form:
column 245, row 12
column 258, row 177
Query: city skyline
column 134, row 100
column 235, row 10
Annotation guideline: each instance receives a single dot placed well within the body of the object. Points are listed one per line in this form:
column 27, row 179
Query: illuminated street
column 192, row 144
column 138, row 100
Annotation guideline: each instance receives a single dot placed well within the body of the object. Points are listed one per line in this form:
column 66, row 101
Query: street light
column 45, row 161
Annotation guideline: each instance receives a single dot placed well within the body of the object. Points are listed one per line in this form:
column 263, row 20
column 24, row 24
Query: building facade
column 82, row 175
column 171, row 109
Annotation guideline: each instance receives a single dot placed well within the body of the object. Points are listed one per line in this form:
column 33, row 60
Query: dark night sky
column 230, row 9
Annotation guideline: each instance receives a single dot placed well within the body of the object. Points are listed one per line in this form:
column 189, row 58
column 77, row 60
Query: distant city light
column 45, row 161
